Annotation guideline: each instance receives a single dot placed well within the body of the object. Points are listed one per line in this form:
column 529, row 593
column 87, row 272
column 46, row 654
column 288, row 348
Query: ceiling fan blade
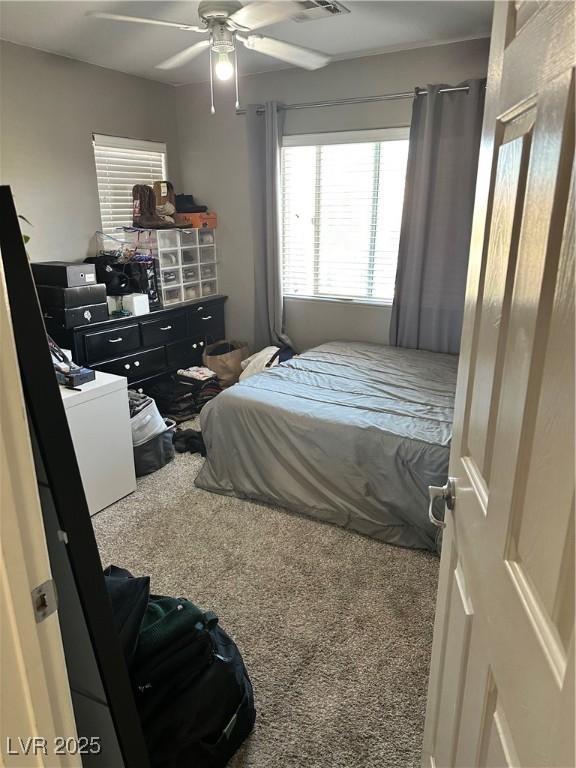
column 291, row 54
column 179, row 59
column 262, row 14
column 144, row 20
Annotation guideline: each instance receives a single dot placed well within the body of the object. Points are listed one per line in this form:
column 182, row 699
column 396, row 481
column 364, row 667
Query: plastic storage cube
column 169, row 258
column 207, row 254
column 190, row 274
column 171, row 295
column 208, row 271
column 192, row 291
column 209, row 288
column 168, row 238
column 171, row 277
column 189, row 255
column 206, row 236
column 185, row 261
column 188, row 237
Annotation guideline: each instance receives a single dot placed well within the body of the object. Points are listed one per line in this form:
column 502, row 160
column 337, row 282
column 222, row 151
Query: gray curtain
column 437, row 218
column 264, row 144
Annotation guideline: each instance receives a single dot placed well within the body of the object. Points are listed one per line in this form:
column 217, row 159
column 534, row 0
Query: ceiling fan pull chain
column 212, row 108
column 236, row 73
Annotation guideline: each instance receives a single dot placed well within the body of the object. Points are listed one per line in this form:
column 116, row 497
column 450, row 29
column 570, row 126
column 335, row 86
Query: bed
column 349, row 433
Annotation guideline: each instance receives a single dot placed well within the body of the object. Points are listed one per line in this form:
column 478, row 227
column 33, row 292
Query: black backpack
column 191, row 687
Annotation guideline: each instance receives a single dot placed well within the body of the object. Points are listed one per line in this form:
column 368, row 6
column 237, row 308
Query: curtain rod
column 356, row 100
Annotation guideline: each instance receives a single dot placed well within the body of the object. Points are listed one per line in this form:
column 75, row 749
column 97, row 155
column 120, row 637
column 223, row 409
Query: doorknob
column 446, row 492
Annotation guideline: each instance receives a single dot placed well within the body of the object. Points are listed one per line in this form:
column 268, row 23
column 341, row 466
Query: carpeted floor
column 335, row 628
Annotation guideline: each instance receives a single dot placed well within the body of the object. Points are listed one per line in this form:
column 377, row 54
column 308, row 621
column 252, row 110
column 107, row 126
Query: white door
column 35, row 703
column 502, row 676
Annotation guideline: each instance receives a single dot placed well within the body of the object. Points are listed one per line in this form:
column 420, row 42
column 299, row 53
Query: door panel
column 458, row 640
column 477, row 687
column 496, row 743
column 532, row 545
column 494, row 314
column 501, row 687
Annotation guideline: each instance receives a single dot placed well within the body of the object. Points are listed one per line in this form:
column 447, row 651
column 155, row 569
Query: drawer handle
column 166, row 328
column 199, row 309
column 115, row 341
column 127, row 366
column 208, row 317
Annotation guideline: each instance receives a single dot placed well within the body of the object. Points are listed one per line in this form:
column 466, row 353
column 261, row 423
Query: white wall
column 49, row 108
column 214, row 164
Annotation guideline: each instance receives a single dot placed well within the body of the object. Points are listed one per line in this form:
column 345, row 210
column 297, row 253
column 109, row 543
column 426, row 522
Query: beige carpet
column 335, row 628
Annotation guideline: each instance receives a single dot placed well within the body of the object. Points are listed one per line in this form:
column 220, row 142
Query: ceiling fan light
column 222, row 39
column 224, row 69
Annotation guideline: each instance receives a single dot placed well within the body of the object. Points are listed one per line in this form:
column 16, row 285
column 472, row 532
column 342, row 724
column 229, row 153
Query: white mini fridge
column 99, row 421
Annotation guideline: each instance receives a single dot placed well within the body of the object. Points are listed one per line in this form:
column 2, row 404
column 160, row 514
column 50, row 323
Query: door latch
column 446, row 492
column 44, row 600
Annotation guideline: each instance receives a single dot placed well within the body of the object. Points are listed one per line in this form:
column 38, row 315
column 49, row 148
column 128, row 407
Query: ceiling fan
column 227, row 22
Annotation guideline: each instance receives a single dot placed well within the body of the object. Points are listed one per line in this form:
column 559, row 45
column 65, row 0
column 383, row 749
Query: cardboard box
column 206, row 220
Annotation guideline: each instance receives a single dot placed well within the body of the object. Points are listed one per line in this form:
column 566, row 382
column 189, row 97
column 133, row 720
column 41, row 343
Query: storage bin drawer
column 169, row 259
column 163, row 331
column 207, row 254
column 111, row 343
column 190, row 274
column 138, row 366
column 206, row 236
column 208, row 272
column 190, row 256
column 192, row 291
column 168, row 238
column 170, row 277
column 188, row 237
column 171, row 296
column 209, row 287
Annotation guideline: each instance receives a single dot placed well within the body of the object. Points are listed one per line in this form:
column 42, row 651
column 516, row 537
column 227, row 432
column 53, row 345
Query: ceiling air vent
column 319, row 9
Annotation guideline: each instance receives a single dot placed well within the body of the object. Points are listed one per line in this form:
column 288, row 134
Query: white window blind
column 121, row 163
column 342, row 197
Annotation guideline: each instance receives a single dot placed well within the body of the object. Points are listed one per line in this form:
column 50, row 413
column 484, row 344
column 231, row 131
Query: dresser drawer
column 183, row 354
column 163, row 331
column 206, row 321
column 111, row 343
column 138, row 366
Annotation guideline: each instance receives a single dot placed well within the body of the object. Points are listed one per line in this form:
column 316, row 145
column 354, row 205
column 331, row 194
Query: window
column 121, row 163
column 342, row 197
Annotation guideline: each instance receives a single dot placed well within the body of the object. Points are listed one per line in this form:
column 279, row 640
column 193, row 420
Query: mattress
column 349, row 433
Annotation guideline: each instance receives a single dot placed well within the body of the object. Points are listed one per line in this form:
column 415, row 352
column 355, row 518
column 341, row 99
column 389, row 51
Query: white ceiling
column 371, row 27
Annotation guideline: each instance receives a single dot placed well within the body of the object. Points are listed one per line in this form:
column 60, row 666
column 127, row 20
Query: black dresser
column 146, row 346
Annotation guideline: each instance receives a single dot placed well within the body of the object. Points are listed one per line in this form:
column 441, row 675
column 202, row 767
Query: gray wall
column 214, row 164
column 49, row 108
